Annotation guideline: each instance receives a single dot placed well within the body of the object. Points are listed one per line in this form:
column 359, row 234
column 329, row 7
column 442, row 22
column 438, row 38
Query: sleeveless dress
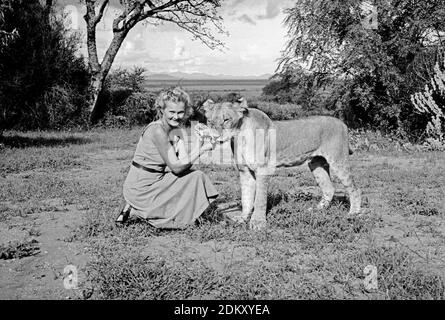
column 164, row 199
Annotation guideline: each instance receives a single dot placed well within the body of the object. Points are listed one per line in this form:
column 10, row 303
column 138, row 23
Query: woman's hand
column 207, row 144
column 180, row 148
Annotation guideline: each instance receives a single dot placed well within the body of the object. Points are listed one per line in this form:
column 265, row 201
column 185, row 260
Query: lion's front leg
column 248, row 186
column 258, row 220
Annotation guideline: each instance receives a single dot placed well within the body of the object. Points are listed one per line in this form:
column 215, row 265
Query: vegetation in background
column 124, row 100
column 370, row 71
column 431, row 102
column 6, row 36
column 43, row 82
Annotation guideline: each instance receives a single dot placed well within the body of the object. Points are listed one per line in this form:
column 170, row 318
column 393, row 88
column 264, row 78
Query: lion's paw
column 257, row 225
column 322, row 205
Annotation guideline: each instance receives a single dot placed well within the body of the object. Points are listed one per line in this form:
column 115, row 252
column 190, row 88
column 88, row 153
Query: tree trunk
column 94, row 90
column 100, row 72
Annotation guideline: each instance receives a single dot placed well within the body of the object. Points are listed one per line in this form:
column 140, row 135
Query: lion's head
column 225, row 117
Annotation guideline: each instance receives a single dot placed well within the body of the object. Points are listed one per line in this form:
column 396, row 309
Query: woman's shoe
column 124, row 214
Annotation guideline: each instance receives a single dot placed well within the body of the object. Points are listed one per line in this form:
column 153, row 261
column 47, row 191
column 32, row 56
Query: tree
column 374, row 68
column 194, row 16
column 5, row 36
column 43, row 82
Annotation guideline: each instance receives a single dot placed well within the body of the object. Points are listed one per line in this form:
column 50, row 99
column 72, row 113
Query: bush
column 43, row 81
column 139, row 108
column 124, row 101
column 287, row 111
column 62, row 108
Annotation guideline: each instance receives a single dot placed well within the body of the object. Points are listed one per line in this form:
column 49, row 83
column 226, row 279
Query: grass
column 302, row 255
column 17, row 250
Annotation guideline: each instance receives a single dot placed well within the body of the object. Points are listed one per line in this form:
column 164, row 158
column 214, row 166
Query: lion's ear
column 241, row 105
column 208, row 105
column 242, row 102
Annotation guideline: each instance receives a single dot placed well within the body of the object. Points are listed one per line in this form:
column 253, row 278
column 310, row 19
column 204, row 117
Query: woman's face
column 173, row 113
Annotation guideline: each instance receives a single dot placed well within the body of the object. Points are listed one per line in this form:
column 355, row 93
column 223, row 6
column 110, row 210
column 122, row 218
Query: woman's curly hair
column 174, row 94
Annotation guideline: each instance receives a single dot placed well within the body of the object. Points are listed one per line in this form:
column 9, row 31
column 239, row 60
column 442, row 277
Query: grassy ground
column 60, row 192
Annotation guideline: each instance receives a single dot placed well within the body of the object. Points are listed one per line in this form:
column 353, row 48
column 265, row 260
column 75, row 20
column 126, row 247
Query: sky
column 255, row 41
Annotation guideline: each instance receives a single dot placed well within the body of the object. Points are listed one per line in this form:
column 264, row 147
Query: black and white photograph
column 222, row 155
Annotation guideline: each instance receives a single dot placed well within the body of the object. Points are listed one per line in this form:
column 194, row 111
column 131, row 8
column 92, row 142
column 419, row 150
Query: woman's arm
column 168, row 153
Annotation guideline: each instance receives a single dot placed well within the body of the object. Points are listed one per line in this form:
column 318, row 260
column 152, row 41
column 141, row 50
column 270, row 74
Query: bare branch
column 150, row 4
column 160, row 8
column 203, row 35
column 129, row 17
column 101, row 11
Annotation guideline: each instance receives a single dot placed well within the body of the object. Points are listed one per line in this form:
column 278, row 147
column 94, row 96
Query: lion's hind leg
column 342, row 171
column 320, row 169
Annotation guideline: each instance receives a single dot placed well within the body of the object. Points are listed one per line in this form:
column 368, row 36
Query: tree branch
column 203, row 36
column 155, row 10
column 101, row 12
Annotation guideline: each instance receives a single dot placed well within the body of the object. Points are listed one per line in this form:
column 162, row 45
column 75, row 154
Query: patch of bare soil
column 421, row 235
column 42, row 275
column 216, row 255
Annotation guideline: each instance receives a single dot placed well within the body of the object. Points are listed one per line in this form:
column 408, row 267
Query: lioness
column 259, row 146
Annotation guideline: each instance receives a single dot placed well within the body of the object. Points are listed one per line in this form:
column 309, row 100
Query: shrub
column 430, row 102
column 124, row 101
column 139, row 108
column 62, row 109
column 287, row 111
column 40, row 70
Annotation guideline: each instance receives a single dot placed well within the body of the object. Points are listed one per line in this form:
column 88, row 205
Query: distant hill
column 201, row 76
column 160, row 76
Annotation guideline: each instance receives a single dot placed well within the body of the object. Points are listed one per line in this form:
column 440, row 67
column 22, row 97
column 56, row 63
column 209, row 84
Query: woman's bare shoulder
column 158, row 132
column 152, row 126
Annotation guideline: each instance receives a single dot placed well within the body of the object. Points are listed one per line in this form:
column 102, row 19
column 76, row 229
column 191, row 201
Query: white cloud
column 272, row 10
column 180, row 51
column 129, row 45
column 247, row 19
column 255, row 42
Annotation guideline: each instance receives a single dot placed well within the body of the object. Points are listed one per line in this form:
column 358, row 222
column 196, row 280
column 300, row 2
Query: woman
column 160, row 186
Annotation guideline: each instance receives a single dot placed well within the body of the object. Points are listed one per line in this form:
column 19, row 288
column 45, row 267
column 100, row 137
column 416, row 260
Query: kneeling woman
column 160, row 186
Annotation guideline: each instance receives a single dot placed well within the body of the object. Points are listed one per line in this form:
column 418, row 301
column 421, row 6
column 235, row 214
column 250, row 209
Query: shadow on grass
column 18, row 141
column 340, row 199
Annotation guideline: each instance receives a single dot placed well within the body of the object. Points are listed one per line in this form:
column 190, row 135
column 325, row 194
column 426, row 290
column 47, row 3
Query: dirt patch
column 42, row 276
column 217, row 255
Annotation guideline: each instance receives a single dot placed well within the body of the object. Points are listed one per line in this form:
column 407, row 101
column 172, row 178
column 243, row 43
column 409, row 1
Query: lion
column 259, row 146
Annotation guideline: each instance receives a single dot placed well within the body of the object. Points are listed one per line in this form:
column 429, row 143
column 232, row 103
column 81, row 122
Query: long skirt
column 167, row 200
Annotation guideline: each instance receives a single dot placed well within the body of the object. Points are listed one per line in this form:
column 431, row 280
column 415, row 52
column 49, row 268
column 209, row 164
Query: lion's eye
column 226, row 120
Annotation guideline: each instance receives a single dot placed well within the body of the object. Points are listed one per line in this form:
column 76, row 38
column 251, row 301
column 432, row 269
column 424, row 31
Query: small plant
column 430, row 101
column 17, row 250
column 413, row 202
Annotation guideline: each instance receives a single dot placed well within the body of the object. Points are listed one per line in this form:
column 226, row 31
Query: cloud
column 180, row 52
column 233, row 8
column 245, row 18
column 273, row 9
